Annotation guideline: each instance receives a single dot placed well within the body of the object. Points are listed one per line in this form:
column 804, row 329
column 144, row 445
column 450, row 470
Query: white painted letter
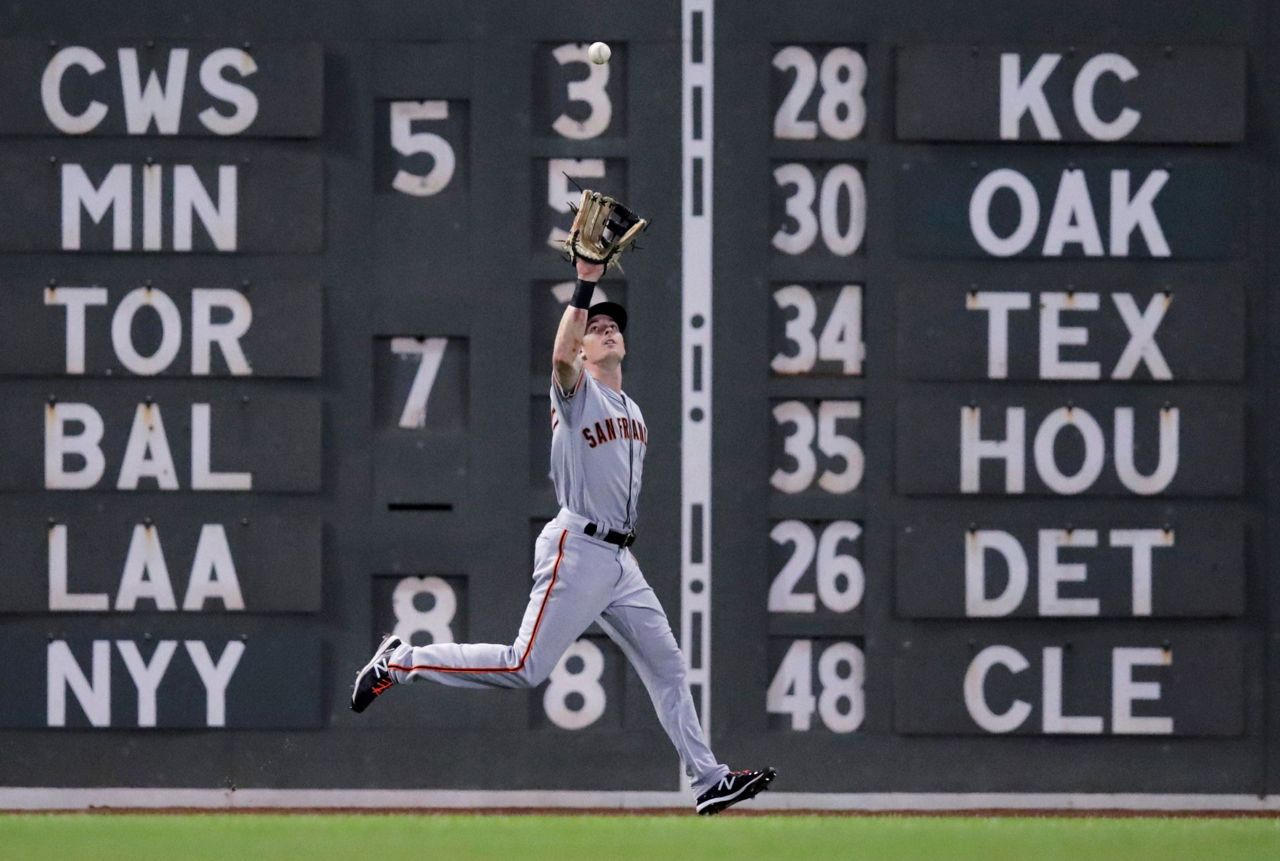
column 75, row 300
column 1124, row 690
column 1054, row 336
column 147, row 452
column 161, row 102
column 1095, row 448
column 1166, row 466
column 63, row 672
column 170, row 331
column 1142, row 541
column 1072, row 219
column 974, row 449
column 189, row 195
column 980, row 212
column 239, row 96
column 1142, row 336
column 205, row 332
column 216, row 677
column 58, row 444
column 975, row 699
column 146, row 557
column 147, row 677
column 60, row 597
column 1082, row 98
column 213, row 572
column 115, row 193
column 1051, row 690
column 51, row 91
column 1139, row 212
column 977, row 543
column 202, row 475
column 1017, row 96
column 1052, row 572
column 998, row 305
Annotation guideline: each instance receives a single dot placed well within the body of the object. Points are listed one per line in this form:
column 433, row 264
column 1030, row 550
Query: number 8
column 585, row 683
column 410, row 620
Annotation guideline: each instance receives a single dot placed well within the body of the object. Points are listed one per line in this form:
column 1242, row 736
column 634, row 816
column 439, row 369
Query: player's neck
column 610, row 376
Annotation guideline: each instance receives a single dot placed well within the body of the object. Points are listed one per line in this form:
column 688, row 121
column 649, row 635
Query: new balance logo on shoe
column 734, row 787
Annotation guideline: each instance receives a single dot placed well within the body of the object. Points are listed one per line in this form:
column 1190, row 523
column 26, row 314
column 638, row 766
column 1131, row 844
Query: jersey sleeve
column 569, row 406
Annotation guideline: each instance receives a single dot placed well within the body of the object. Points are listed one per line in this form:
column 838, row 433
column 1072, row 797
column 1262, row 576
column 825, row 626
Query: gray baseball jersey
column 598, row 443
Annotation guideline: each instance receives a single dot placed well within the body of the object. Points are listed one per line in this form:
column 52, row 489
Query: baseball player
column 584, row 570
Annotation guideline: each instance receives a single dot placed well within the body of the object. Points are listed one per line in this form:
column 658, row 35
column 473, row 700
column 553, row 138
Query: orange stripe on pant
column 555, row 571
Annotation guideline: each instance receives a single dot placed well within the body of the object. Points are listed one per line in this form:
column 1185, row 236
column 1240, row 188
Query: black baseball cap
column 610, row 309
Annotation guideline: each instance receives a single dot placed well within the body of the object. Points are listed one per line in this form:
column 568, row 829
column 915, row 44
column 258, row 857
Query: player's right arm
column 566, row 359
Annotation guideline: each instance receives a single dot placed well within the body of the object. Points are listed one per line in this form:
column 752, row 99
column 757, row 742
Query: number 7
column 432, row 352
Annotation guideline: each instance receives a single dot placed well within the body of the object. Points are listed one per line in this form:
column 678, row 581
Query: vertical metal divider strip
column 695, row 337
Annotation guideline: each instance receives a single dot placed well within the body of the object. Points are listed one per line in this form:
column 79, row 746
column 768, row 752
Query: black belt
column 613, row 536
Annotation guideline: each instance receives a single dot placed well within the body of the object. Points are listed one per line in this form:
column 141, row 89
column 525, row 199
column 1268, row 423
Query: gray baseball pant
column 578, row 580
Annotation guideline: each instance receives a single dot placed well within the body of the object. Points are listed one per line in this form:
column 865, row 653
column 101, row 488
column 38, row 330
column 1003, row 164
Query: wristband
column 582, row 294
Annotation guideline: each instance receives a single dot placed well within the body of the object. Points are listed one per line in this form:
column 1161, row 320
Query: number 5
column 408, row 142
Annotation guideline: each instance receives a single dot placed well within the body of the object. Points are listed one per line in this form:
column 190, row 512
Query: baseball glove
column 602, row 229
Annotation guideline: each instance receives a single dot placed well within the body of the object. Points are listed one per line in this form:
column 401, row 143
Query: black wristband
column 582, row 294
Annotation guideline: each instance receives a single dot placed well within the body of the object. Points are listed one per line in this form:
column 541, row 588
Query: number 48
column 841, row 704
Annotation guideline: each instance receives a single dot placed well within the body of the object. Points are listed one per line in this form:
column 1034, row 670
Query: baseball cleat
column 375, row 679
column 734, row 787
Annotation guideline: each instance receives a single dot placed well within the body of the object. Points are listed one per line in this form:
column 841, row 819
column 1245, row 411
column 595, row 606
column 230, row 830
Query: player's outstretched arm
column 565, row 361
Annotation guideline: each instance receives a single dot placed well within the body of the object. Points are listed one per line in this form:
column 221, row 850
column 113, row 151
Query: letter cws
column 617, row 428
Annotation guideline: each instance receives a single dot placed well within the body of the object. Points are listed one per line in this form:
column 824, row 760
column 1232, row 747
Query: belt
column 613, row 536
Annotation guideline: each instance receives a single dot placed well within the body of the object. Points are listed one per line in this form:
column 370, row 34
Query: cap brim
column 612, row 310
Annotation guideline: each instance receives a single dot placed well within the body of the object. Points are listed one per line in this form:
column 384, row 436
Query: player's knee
column 534, row 674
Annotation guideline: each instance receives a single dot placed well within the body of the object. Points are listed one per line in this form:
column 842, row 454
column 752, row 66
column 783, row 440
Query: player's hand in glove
column 602, row 229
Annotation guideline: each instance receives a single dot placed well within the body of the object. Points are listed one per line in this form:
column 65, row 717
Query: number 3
column 590, row 90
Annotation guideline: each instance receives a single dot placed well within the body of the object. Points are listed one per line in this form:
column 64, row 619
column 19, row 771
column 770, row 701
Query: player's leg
column 565, row 599
column 636, row 621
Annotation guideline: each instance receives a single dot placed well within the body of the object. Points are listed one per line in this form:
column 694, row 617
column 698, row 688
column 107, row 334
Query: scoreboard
column 953, row 333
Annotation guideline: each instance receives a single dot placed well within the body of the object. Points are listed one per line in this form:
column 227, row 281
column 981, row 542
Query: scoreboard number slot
column 840, row 340
column 563, row 176
column 430, row 353
column 817, row 424
column 574, row 697
column 434, row 620
column 841, row 700
column 408, row 142
column 841, row 215
column 840, row 579
column 590, row 91
column 842, row 107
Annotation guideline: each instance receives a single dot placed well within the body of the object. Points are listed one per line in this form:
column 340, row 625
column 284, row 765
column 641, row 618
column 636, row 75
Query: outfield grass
column 314, row 837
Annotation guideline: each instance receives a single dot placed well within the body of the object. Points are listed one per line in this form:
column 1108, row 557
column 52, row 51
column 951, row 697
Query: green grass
column 315, row 837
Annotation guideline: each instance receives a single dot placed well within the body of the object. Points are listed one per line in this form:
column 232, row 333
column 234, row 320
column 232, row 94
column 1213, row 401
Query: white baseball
column 599, row 53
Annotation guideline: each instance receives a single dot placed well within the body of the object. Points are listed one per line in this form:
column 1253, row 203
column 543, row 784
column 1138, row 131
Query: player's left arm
column 566, row 360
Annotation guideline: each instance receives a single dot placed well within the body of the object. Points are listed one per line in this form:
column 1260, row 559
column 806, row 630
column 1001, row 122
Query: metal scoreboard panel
column 291, row 364
column 899, row 263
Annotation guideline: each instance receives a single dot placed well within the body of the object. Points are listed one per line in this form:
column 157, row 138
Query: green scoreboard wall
column 952, row 328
